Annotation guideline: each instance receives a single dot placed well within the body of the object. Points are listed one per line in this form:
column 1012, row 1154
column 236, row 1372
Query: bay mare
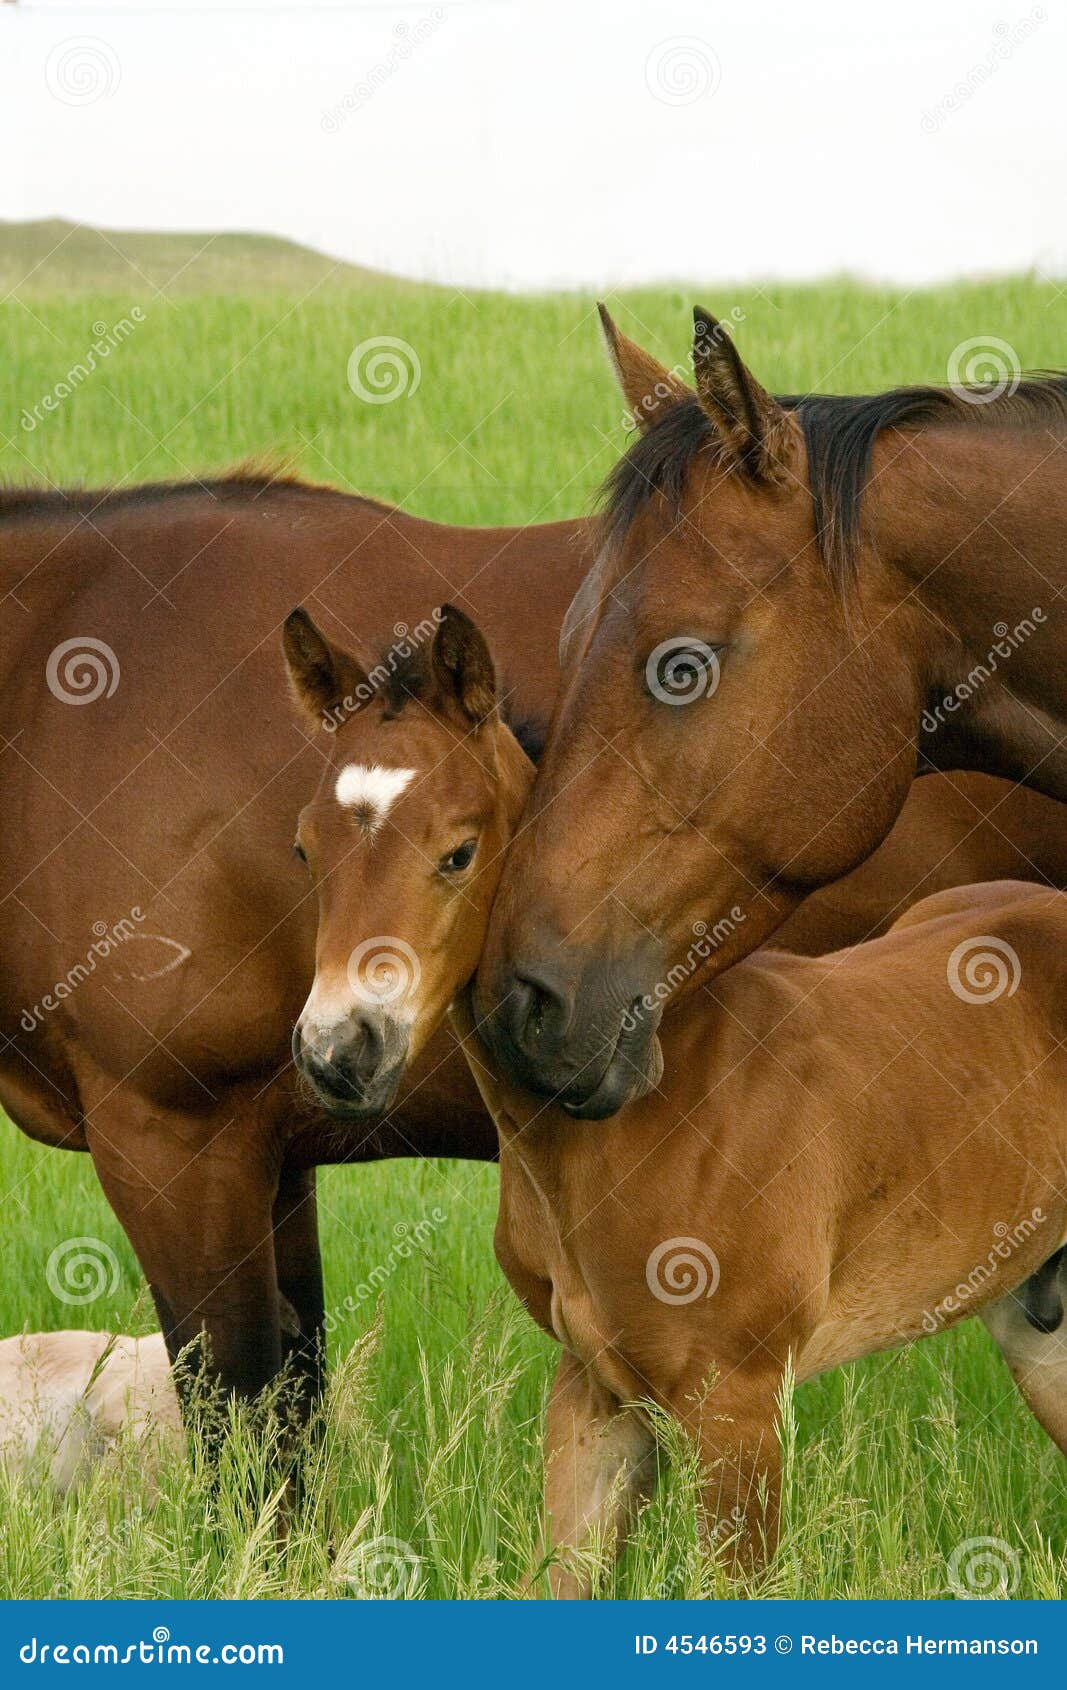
column 846, row 1153
column 157, row 934
column 796, row 606
column 156, row 931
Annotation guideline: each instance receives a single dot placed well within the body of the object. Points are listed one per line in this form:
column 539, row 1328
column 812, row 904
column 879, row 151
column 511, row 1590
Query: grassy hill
column 52, row 256
column 505, row 408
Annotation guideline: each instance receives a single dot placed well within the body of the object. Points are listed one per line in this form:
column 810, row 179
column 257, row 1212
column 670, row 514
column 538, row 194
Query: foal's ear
column 462, row 664
column 752, row 427
column 323, row 677
column 649, row 388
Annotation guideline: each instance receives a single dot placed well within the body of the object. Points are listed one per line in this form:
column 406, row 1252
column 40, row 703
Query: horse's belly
column 853, row 1336
column 899, row 1314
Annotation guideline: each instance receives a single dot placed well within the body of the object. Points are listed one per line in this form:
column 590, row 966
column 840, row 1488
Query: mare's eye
column 683, row 669
column 299, row 853
column 459, row 859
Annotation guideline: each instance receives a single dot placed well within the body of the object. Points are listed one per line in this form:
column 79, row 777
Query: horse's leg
column 196, row 1197
column 735, row 1427
column 600, row 1464
column 299, row 1268
column 1030, row 1327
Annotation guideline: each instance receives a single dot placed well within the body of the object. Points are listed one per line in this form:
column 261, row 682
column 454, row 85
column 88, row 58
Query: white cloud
column 518, row 143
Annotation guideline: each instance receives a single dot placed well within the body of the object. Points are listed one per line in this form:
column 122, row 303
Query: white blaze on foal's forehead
column 370, row 791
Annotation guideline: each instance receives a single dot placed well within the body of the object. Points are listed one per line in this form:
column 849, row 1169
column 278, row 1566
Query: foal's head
column 422, row 787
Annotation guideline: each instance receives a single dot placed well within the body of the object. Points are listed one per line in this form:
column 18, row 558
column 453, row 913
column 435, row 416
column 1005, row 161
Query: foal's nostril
column 364, row 1056
column 345, row 1062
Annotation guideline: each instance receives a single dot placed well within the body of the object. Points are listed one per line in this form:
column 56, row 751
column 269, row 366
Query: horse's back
column 992, row 900
column 152, row 920
column 833, row 1022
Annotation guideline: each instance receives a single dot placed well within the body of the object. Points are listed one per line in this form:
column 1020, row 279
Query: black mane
column 840, row 431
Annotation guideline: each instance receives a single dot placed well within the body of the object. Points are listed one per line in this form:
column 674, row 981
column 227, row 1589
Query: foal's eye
column 459, row 859
column 299, row 853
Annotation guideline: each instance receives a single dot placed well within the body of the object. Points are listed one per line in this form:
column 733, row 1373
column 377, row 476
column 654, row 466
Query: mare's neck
column 970, row 524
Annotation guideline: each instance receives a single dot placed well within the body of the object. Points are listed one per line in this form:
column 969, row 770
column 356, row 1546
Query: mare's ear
column 751, row 425
column 648, row 387
column 322, row 676
column 462, row 665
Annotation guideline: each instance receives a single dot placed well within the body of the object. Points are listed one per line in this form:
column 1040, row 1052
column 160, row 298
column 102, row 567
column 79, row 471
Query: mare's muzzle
column 582, row 1035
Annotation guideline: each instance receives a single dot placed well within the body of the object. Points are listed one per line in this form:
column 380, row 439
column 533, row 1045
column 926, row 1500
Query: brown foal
column 848, row 1152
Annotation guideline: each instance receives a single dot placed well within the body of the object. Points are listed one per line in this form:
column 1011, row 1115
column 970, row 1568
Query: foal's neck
column 971, row 524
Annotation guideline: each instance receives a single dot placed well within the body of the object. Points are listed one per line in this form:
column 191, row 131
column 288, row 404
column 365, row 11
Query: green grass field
column 439, row 1378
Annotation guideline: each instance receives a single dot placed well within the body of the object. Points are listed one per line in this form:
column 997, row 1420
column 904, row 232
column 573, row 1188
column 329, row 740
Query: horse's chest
column 532, row 1244
column 574, row 1318
column 562, row 1301
column 579, row 1326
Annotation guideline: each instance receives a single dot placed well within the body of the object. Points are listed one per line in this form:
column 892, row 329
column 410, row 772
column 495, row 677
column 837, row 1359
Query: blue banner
column 540, row 1644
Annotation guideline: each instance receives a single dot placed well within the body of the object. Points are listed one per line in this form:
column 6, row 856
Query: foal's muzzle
column 354, row 1067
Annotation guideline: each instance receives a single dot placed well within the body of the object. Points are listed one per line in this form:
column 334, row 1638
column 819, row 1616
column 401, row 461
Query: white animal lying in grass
column 67, row 1399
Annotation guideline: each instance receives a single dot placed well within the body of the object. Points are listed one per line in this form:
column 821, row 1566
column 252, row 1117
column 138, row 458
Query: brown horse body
column 157, row 934
column 847, row 1152
column 954, row 830
column 796, row 607
column 847, row 1155
column 158, row 938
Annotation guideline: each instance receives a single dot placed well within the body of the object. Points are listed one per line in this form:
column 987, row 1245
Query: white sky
column 534, row 143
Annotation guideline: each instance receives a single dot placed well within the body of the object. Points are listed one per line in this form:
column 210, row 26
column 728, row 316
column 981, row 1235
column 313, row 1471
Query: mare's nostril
column 537, row 1010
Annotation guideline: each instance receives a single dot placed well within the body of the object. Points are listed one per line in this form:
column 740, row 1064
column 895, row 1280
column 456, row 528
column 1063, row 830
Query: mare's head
column 724, row 740
column 422, row 786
